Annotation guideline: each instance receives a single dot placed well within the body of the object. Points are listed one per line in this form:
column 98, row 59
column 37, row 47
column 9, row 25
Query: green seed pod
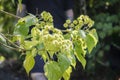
column 68, row 21
column 75, row 22
column 72, row 25
column 65, row 25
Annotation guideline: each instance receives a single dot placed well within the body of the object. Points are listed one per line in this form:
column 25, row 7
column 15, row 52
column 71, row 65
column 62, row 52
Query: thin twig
column 9, row 46
column 10, row 41
column 10, row 14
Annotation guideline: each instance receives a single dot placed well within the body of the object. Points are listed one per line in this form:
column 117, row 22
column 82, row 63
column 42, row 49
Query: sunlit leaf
column 63, row 62
column 22, row 27
column 44, row 55
column 40, row 46
column 52, row 70
column 72, row 58
column 91, row 40
column 66, row 74
column 35, row 33
column 28, row 62
column 67, row 36
column 18, row 38
column 94, row 33
column 82, row 33
column 81, row 59
column 78, row 52
column 34, row 52
column 29, row 44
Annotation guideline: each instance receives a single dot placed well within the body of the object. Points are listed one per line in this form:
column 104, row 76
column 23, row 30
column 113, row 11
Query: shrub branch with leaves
column 47, row 41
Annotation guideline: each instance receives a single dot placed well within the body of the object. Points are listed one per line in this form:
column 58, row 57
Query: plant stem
column 9, row 46
column 11, row 42
column 10, row 14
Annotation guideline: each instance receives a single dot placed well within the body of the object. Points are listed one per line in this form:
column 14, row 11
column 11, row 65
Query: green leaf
column 82, row 33
column 94, row 33
column 28, row 62
column 35, row 33
column 91, row 40
column 22, row 27
column 33, row 52
column 44, row 55
column 29, row 44
column 2, row 39
column 18, row 38
column 63, row 62
column 72, row 59
column 52, row 70
column 78, row 52
column 30, row 20
column 40, row 46
column 80, row 47
column 67, row 36
column 81, row 59
column 66, row 74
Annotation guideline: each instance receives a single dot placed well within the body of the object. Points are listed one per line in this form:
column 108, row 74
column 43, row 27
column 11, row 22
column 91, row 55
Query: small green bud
column 72, row 25
column 75, row 22
column 65, row 25
column 68, row 21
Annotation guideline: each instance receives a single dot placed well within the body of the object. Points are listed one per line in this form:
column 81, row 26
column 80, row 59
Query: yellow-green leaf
column 22, row 27
column 28, row 62
column 81, row 59
column 82, row 33
column 63, row 62
column 91, row 40
column 66, row 74
column 79, row 54
column 53, row 71
column 30, row 44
